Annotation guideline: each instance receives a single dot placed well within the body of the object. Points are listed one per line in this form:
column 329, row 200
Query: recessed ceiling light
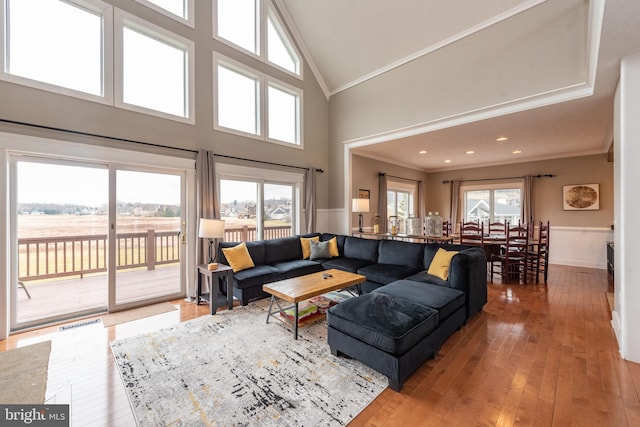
column 470, row 152
column 502, row 138
column 447, row 161
column 517, row 151
column 422, row 152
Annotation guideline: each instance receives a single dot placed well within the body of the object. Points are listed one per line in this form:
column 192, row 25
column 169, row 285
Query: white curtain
column 310, row 200
column 206, row 204
column 382, row 202
column 455, row 199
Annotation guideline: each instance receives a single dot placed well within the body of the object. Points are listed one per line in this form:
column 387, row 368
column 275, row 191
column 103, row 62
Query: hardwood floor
column 536, row 355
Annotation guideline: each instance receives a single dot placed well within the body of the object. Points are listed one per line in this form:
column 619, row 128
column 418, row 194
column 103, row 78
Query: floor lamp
column 211, row 229
column 359, row 206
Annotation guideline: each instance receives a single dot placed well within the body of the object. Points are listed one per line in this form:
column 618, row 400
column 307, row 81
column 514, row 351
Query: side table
column 214, row 298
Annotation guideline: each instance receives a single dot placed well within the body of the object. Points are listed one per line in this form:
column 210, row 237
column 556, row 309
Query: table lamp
column 359, row 206
column 211, row 229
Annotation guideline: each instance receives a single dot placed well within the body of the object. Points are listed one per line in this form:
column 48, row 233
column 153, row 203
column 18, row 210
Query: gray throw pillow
column 319, row 250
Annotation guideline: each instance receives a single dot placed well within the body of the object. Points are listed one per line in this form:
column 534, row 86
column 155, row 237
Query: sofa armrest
column 468, row 273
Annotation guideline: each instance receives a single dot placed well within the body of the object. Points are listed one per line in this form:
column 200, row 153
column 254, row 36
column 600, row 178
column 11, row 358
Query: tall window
column 56, row 42
column 238, row 100
column 280, row 51
column 284, row 114
column 258, row 204
column 401, row 199
column 253, row 104
column 237, row 21
column 156, row 68
column 495, row 203
column 254, row 27
column 182, row 9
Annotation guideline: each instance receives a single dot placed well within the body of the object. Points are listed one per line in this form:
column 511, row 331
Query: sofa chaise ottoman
column 397, row 327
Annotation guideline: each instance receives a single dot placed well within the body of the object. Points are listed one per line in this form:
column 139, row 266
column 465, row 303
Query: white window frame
column 96, row 6
column 405, row 187
column 264, row 82
column 490, row 188
column 297, row 93
column 188, row 21
column 264, row 9
column 277, row 22
column 123, row 19
column 266, row 176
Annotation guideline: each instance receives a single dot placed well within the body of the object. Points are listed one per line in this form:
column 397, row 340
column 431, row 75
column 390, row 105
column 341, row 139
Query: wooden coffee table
column 297, row 289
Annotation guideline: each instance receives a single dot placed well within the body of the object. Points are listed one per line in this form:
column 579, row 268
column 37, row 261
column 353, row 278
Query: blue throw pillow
column 319, row 250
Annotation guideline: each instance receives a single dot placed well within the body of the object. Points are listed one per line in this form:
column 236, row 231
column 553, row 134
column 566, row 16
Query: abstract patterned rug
column 233, row 369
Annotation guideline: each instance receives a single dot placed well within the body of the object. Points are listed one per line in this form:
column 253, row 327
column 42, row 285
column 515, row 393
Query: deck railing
column 52, row 257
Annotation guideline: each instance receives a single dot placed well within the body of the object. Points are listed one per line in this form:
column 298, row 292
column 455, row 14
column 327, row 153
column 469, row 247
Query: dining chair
column 497, row 228
column 539, row 256
column 512, row 262
column 446, row 228
column 472, row 233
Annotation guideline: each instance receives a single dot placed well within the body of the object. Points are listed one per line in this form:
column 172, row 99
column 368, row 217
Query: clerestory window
column 254, row 27
column 58, row 46
column 156, row 69
column 181, row 10
column 252, row 104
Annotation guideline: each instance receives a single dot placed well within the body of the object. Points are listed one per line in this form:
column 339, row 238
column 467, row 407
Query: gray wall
column 24, row 104
column 474, row 77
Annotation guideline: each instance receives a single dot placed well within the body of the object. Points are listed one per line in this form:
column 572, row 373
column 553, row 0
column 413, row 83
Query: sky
column 61, row 184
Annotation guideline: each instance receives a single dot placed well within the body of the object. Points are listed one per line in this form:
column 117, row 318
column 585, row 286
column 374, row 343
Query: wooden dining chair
column 446, row 228
column 472, row 233
column 539, row 255
column 497, row 228
column 512, row 262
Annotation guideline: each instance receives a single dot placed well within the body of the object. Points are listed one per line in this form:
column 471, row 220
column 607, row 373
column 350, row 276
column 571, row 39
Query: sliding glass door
column 61, row 216
column 148, row 235
column 91, row 237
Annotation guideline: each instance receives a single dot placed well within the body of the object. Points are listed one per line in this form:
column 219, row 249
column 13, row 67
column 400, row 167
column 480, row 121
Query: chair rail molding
column 579, row 246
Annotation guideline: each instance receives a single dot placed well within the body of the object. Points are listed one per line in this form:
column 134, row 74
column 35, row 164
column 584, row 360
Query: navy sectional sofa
column 405, row 313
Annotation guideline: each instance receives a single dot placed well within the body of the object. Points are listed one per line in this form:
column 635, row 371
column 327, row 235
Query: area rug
column 234, row 369
column 23, row 374
column 136, row 313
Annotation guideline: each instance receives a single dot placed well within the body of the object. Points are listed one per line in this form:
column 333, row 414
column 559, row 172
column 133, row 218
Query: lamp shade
column 211, row 228
column 360, row 205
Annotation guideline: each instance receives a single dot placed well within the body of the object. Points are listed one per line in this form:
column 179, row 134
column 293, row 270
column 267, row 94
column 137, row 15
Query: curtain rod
column 113, row 138
column 149, row 144
column 264, row 162
column 446, row 181
column 398, row 177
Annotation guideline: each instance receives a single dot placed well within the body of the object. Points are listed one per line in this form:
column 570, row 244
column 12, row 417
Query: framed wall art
column 364, row 194
column 581, row 197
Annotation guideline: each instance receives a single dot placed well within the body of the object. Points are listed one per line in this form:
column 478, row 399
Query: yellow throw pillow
column 238, row 257
column 333, row 247
column 306, row 248
column 440, row 264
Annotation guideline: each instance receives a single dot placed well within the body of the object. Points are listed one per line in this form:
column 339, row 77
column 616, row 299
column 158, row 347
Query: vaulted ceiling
column 349, row 43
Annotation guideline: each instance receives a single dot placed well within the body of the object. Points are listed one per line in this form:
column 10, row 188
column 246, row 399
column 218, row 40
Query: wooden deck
column 90, row 293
